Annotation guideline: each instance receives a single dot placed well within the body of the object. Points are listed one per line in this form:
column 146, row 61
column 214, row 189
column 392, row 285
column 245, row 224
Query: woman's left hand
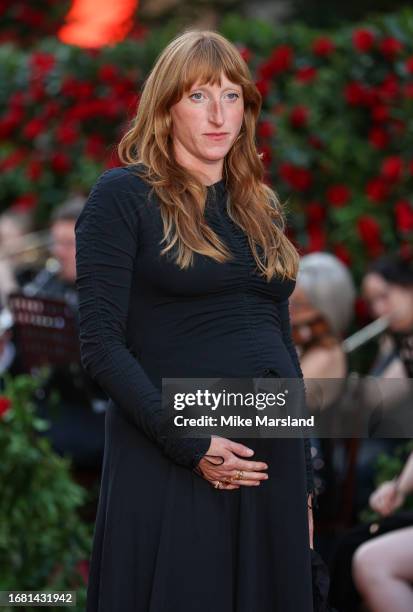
column 310, row 519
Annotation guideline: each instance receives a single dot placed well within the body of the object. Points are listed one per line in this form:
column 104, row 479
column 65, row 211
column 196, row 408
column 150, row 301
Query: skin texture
column 207, row 109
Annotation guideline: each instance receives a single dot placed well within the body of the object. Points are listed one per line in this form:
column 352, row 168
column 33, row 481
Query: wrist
column 399, row 489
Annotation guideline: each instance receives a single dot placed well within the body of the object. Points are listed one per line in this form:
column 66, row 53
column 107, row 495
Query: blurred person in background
column 387, row 287
column 383, row 566
column 15, row 271
column 322, row 306
column 77, row 422
column 57, row 278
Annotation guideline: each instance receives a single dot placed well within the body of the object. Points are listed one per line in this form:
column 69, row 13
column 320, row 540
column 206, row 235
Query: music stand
column 45, row 330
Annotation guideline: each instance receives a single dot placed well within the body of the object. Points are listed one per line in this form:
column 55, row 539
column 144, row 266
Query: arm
column 285, row 323
column 106, row 247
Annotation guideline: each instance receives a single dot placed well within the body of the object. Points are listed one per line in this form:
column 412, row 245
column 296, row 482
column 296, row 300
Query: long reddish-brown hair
column 204, row 56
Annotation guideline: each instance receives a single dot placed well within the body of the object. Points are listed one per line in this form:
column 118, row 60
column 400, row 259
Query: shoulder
column 122, row 179
column 117, row 194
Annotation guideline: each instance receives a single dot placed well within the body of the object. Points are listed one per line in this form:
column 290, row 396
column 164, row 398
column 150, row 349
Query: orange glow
column 96, row 24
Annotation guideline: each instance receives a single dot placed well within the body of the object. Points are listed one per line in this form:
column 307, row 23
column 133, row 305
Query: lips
column 217, row 136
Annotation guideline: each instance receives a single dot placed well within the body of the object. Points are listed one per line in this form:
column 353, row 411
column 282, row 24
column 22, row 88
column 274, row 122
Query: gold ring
column 218, row 484
column 239, row 475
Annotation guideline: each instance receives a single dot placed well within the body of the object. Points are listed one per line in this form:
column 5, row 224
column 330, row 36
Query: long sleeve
column 284, row 314
column 106, row 247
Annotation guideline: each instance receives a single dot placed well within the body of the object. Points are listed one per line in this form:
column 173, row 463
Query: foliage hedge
column 336, row 130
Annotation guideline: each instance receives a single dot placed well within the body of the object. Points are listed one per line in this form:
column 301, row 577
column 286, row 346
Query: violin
column 315, row 331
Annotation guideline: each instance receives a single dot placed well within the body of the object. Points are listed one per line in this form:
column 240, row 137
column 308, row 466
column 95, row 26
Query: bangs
column 206, row 62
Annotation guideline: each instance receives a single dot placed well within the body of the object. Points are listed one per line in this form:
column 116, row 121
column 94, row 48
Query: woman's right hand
column 386, row 498
column 213, row 470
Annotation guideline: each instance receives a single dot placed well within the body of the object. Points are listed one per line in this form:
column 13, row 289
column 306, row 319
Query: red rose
column 108, row 72
column 338, row 195
column 265, row 129
column 369, row 232
column 263, row 87
column 295, row 176
column 60, row 162
column 43, row 62
column 33, row 128
column 342, row 252
column 355, row 93
column 306, row 74
column 380, row 113
column 404, row 215
column 299, row 116
column 317, row 238
column 13, row 160
column 378, row 138
column 67, row 133
column 5, row 404
column 390, row 47
column 50, row 110
column 377, row 189
column 315, row 212
column 363, row 40
column 10, row 121
column 388, row 90
column 392, row 168
column 95, row 146
column 34, row 170
column 245, row 54
column 25, row 202
column 323, row 46
column 279, row 61
column 409, row 65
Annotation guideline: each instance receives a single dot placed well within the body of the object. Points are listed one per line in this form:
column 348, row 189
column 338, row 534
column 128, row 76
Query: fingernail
column 250, row 451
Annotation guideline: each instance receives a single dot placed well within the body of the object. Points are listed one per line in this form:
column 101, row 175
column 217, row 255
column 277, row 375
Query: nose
column 216, row 114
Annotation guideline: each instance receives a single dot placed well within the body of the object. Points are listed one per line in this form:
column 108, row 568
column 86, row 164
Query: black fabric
column 165, row 540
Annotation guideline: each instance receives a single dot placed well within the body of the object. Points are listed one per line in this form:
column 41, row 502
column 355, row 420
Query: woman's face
column 390, row 300
column 206, row 122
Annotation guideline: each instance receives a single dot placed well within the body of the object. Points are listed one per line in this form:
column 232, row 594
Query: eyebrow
column 238, row 87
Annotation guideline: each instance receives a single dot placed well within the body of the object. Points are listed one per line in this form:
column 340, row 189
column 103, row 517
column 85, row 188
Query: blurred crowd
column 42, row 266
column 371, row 564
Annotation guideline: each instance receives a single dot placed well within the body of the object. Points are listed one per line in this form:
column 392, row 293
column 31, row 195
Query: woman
column 184, row 271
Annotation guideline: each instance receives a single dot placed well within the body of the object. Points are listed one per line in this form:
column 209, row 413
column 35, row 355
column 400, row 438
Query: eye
column 197, row 93
column 234, row 94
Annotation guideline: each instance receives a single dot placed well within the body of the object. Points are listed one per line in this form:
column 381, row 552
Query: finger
column 250, row 466
column 250, row 476
column 224, row 486
column 249, row 483
column 240, row 449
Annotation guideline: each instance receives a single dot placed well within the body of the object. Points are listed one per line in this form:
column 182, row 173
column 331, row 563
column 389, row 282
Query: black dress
column 165, row 539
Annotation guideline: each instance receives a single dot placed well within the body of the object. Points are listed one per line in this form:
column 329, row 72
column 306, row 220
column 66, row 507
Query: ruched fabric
column 165, row 540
